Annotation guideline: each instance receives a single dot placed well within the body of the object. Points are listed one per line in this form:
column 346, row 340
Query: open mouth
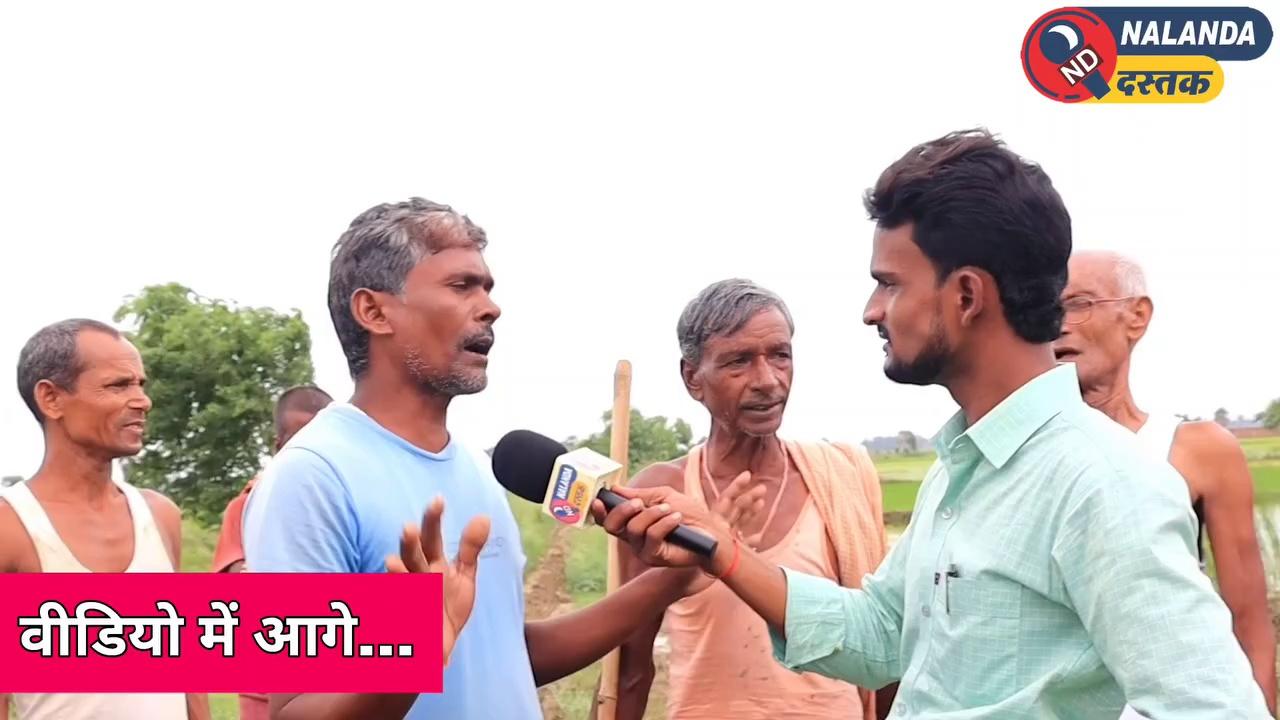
column 762, row 407
column 139, row 426
column 480, row 345
column 1065, row 354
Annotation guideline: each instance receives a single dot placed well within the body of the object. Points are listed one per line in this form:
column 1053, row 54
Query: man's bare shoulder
column 167, row 514
column 1207, row 441
column 664, row 474
column 16, row 549
column 161, row 506
column 1210, row 458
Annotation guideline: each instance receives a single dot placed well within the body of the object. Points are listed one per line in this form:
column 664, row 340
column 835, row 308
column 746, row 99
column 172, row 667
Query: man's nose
column 764, row 375
column 873, row 312
column 490, row 312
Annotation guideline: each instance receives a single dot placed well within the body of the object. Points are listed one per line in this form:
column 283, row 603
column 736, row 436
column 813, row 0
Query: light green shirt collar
column 1009, row 425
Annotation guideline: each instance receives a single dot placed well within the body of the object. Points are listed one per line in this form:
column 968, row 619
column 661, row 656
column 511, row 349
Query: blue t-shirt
column 336, row 498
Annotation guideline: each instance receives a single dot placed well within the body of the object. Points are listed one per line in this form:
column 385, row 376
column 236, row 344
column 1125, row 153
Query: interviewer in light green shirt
column 1049, row 569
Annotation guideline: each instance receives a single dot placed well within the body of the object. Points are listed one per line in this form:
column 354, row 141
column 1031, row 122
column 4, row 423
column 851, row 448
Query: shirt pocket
column 982, row 597
column 983, row 628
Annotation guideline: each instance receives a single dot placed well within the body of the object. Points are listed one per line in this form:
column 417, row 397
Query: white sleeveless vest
column 149, row 556
column 1156, row 435
column 1156, row 438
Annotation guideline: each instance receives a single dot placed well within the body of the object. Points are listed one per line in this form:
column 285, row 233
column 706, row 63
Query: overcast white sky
column 620, row 160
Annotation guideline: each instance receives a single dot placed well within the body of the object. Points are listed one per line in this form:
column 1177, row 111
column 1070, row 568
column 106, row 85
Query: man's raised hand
column 422, row 551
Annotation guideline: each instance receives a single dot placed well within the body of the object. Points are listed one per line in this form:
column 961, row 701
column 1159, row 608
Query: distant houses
column 1243, row 429
column 904, row 443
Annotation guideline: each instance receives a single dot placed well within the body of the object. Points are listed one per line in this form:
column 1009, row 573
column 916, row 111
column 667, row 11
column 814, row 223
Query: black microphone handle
column 687, row 538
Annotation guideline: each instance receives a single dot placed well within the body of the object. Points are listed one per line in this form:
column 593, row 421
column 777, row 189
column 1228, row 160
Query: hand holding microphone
column 572, row 485
column 646, row 521
column 523, row 461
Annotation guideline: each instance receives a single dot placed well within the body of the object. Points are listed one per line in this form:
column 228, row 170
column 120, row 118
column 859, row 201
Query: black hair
column 973, row 202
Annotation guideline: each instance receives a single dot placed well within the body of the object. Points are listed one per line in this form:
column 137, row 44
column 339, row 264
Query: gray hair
column 1130, row 279
column 1125, row 272
column 377, row 252
column 723, row 308
column 51, row 355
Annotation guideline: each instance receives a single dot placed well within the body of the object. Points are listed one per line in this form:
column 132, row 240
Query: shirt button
column 924, row 609
column 947, row 513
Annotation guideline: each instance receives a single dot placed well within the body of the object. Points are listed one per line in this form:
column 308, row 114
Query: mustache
column 884, row 334
column 484, row 336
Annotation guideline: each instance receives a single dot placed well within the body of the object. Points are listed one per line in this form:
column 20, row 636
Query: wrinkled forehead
column 1091, row 275
column 767, row 328
column 100, row 353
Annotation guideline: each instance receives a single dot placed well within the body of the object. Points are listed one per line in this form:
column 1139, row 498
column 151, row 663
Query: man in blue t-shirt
column 409, row 297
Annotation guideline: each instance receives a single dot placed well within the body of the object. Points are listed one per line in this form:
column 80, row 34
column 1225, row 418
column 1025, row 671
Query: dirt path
column 545, row 595
column 545, row 588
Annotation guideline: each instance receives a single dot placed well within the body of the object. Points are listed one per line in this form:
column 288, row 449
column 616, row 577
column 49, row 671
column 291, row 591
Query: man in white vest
column 1107, row 313
column 84, row 381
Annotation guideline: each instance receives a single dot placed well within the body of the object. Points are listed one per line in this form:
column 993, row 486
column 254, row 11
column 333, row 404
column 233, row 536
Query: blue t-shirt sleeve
column 300, row 518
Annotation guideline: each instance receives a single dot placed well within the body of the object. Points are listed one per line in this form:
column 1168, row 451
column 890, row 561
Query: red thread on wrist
column 733, row 564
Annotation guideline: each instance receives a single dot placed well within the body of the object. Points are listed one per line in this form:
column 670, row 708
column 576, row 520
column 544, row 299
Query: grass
column 198, row 543
column 904, row 468
column 901, row 474
column 1258, row 449
column 535, row 530
column 899, row 496
column 1266, row 480
column 224, row 707
column 587, row 566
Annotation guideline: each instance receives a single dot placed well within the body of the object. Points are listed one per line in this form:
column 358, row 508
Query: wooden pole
column 619, row 442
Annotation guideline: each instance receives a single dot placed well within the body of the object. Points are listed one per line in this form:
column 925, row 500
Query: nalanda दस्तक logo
column 1140, row 54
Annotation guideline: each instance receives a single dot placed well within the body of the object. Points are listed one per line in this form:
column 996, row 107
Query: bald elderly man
column 1107, row 313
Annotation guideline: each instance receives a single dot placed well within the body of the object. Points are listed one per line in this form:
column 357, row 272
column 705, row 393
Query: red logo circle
column 1069, row 55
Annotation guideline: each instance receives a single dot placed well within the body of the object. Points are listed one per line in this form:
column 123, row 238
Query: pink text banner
column 224, row 633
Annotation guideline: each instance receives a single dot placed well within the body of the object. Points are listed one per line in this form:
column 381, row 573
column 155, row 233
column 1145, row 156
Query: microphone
column 541, row 470
column 1064, row 44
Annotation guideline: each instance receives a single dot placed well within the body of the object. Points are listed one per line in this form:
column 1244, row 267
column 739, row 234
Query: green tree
column 653, row 439
column 906, row 441
column 1222, row 417
column 214, row 371
column 1271, row 418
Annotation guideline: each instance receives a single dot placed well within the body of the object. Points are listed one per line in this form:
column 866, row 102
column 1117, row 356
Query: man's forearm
column 863, row 650
column 635, row 678
column 197, row 707
column 761, row 584
column 564, row 645
column 1257, row 638
column 341, row 706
